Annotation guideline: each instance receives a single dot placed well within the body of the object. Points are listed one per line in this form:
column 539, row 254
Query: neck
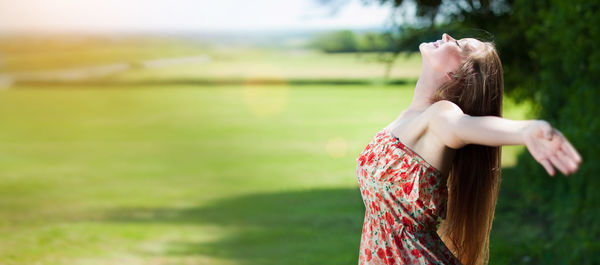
column 426, row 85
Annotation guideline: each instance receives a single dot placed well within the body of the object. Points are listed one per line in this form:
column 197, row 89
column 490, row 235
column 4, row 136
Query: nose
column 446, row 37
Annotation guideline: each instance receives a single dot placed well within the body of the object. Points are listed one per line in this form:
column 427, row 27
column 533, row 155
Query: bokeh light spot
column 336, row 147
column 265, row 101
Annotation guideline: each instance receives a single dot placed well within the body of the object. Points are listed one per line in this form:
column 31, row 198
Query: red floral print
column 368, row 254
column 390, row 261
column 388, row 251
column 389, row 218
column 404, row 198
column 370, row 158
column 419, row 203
column 381, row 253
column 432, row 181
column 375, row 207
column 406, row 221
column 407, row 188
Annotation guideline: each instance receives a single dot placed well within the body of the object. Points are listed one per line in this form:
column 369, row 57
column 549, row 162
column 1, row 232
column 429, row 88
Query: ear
column 449, row 75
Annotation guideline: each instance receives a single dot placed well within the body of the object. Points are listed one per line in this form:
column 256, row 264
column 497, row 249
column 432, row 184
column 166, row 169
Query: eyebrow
column 466, row 44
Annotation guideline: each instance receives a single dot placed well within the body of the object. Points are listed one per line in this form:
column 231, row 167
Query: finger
column 571, row 151
column 568, row 161
column 559, row 164
column 546, row 164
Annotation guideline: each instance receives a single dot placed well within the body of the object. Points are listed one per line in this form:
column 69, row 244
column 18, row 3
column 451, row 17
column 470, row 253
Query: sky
column 183, row 15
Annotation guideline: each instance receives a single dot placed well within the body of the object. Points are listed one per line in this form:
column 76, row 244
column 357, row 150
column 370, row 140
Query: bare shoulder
column 442, row 116
column 443, row 108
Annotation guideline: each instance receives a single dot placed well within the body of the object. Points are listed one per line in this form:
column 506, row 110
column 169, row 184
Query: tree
column 337, row 41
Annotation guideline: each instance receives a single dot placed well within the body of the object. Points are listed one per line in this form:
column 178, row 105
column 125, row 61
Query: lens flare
column 336, row 147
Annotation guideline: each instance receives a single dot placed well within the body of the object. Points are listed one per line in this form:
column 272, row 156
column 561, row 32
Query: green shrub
column 562, row 39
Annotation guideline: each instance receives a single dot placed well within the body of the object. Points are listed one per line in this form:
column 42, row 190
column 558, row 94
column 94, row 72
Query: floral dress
column 405, row 199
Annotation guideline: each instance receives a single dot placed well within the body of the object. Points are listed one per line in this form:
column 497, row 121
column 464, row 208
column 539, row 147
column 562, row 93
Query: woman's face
column 445, row 55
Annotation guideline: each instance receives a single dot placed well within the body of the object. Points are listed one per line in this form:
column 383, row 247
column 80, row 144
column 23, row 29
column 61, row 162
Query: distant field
column 188, row 175
column 25, row 54
column 282, row 64
column 139, row 60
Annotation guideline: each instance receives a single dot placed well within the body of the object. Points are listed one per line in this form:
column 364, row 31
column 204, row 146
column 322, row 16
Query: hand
column 550, row 148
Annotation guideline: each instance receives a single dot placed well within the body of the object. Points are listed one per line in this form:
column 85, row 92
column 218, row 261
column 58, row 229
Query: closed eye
column 457, row 44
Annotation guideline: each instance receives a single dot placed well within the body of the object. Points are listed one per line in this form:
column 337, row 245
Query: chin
column 423, row 49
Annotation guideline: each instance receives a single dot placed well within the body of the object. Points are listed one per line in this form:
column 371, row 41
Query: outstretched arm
column 547, row 145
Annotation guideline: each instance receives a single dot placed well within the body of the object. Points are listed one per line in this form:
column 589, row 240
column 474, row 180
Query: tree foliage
column 337, row 41
column 347, row 41
column 563, row 63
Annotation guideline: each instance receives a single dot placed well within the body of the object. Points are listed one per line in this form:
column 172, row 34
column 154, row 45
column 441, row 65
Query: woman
column 436, row 168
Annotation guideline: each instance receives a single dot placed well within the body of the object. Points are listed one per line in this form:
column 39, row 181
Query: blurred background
column 226, row 132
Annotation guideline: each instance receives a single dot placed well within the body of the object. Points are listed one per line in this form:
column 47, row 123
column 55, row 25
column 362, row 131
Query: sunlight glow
column 182, row 15
column 336, row 147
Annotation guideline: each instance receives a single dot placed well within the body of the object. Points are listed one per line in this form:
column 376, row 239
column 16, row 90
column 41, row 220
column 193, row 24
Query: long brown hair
column 474, row 177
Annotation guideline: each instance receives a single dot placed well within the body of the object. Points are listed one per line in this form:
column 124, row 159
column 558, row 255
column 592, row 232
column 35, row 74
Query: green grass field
column 188, row 175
